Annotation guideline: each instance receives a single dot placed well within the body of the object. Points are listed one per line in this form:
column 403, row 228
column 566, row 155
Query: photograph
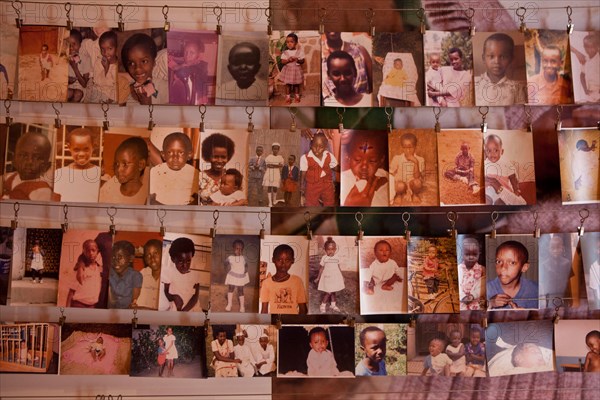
column 6, row 255
column 470, row 252
column 319, row 167
column 448, row 69
column 382, row 275
column 413, row 168
column 168, row 351
column 95, row 50
column 398, row 69
column 192, row 61
column 460, row 163
column 333, row 275
column 243, row 69
column 432, row 275
column 347, row 69
column 585, row 65
column 35, row 266
column 9, row 35
column 446, row 349
column 512, row 272
column 590, row 250
column 29, row 348
column 577, row 346
column 234, row 273
column 95, row 349
column 316, row 351
column 523, row 347
column 549, row 78
column 380, row 349
column 560, row 270
column 579, row 165
column 499, row 68
column 295, row 69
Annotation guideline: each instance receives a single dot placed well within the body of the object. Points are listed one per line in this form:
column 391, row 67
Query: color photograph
column 380, row 349
column 577, row 346
column 29, row 348
column 585, row 65
column 560, row 270
column 590, row 250
column 319, row 167
column 470, row 252
column 579, row 165
column 9, row 34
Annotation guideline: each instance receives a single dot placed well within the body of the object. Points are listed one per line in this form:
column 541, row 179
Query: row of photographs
column 302, row 351
column 304, row 68
column 293, row 275
column 313, row 167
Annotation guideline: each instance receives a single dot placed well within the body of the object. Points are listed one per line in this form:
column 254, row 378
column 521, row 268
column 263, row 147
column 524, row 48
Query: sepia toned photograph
column 579, row 165
column 29, row 348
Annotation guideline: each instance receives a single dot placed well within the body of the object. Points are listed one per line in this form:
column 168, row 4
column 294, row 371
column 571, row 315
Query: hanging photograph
column 413, row 168
column 364, row 164
column 282, row 271
column 560, row 270
column 460, row 156
column 524, row 347
column 78, row 173
column 549, row 78
column 85, row 260
column 512, row 272
column 347, row 69
column 333, row 275
column 28, row 168
column 312, row 351
column 98, row 50
column 397, row 69
column 168, row 351
column 192, row 60
column 579, row 165
column 185, row 272
column 295, row 69
column 499, row 66
column 470, row 251
column 590, row 250
column 243, row 69
column 234, row 273
column 9, row 35
column 448, row 69
column 509, row 168
column 380, row 349
column 577, row 345
column 432, row 276
column 7, row 247
column 35, row 267
column 29, row 348
column 585, row 64
column 95, row 349
column 79, row 64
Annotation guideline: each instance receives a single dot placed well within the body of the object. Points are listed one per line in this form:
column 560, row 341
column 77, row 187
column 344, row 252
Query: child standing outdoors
column 456, row 351
column 124, row 281
column 283, row 293
column 181, row 285
column 501, row 181
column 290, row 174
column 433, row 78
column 316, row 174
column 84, row 290
column 408, row 170
column 383, row 270
column 436, row 363
column 471, row 276
column 592, row 359
column 292, row 75
column 374, row 343
column 161, row 357
column 46, row 62
column 230, row 190
column 330, row 279
column 431, row 267
column 272, row 177
column 465, row 168
column 237, row 275
column 320, row 361
column 37, row 262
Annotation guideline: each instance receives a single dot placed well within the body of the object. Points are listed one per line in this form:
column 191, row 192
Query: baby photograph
column 382, row 275
column 8, row 60
column 590, row 250
column 585, row 65
column 313, row 351
column 470, row 252
column 577, row 346
column 579, row 165
column 380, row 349
column 560, row 269
column 29, row 347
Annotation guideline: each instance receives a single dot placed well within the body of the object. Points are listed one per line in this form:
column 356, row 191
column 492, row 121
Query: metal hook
column 293, row 111
column 17, row 5
column 494, row 217
column 7, row 104
column 167, row 25
column 536, row 229
column 322, row 16
column 521, row 11
column 370, row 14
column 436, row 113
column 558, row 124
column 452, row 217
column 359, row 218
column 389, row 115
column 218, row 11
column 161, row 214
column 249, row 112
column 68, row 8
column 269, row 26
column 528, row 116
column 470, row 13
column 213, row 230
column 57, row 123
column 558, row 302
column 14, row 224
column 105, row 123
column 65, row 224
column 584, row 213
column 62, row 318
column 112, row 211
column 262, row 217
column 121, row 24
column 421, row 15
column 151, row 123
column 405, row 219
column 570, row 25
column 340, row 118
column 484, row 112
column 202, row 110
column 307, row 220
column 134, row 320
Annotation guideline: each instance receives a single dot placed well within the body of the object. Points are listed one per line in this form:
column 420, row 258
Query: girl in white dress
column 456, row 351
column 171, row 350
column 272, row 178
column 330, row 279
column 237, row 277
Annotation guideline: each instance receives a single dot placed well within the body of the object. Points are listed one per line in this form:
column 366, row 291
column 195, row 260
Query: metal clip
column 68, row 10
column 484, row 319
column 57, row 123
column 120, row 24
column 62, row 318
column 134, row 320
column 484, row 112
column 269, row 26
column 218, row 11
column 389, row 112
column 421, row 16
column 262, row 217
column 528, row 118
column 405, row 219
column 17, row 5
column 370, row 14
column 521, row 11
column 558, row 302
column 65, row 224
column 584, row 213
column 558, row 123
column 112, row 211
column 436, row 113
column 151, row 123
column 452, row 217
column 167, row 25
column 322, row 15
column 470, row 13
column 249, row 112
column 340, row 118
column 202, row 109
column 9, row 119
column 348, row 320
column 105, row 123
column 213, row 230
column 494, row 219
column 161, row 214
column 207, row 327
column 536, row 229
column 14, row 224
column 570, row 24
column 359, row 218
column 278, row 321
column 309, row 234
column 413, row 321
column 293, row 111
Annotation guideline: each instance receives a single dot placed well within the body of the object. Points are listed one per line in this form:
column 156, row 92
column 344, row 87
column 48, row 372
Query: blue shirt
column 527, row 290
column 121, row 287
column 362, row 370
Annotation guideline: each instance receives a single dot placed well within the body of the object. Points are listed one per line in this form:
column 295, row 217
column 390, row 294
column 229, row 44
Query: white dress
column 237, row 275
column 332, row 279
column 273, row 175
column 172, row 353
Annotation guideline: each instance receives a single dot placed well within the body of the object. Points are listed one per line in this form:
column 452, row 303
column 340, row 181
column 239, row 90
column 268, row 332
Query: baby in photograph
column 383, row 272
column 321, row 361
column 592, row 358
column 501, row 180
column 437, row 362
column 374, row 344
column 230, row 190
column 528, row 357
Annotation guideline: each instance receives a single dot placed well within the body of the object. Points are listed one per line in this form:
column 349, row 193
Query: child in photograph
column 174, row 181
column 475, row 354
column 549, row 86
column 152, row 257
column 24, row 354
column 161, row 357
column 431, row 267
column 247, row 365
column 170, row 350
column 218, row 150
column 224, row 360
column 291, row 74
column 97, row 349
column 84, row 290
column 360, row 58
column 181, row 291
column 256, row 173
column 272, row 178
column 80, row 180
column 79, row 69
column 283, row 293
column 138, row 56
column 493, row 87
column 456, row 351
column 30, row 181
column 501, row 181
column 465, row 168
column 457, row 82
column 37, row 262
column 103, row 86
column 46, row 62
column 188, row 84
column 342, row 72
column 230, row 190
column 374, row 343
column 316, row 174
column 330, row 279
column 264, row 354
column 510, row 289
column 408, row 170
column 320, row 361
column 590, row 79
column 290, row 174
column 124, row 281
column 584, row 165
column 383, row 270
column 397, row 76
column 594, row 279
column 557, row 271
column 471, row 276
column 433, row 80
column 129, row 185
column 592, row 358
column 365, row 182
column 437, row 362
column 244, row 64
column 528, row 356
column 237, row 275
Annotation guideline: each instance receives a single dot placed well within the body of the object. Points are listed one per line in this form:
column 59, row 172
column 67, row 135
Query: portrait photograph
column 380, row 349
column 585, row 65
column 576, row 346
column 470, row 253
column 579, row 165
column 560, row 269
column 9, row 34
column 590, row 251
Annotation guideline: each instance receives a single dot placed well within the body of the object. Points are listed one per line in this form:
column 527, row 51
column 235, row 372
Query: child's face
column 31, row 157
column 275, row 150
column 464, row 148
column 290, row 43
column 318, row 146
column 227, row 185
column 161, row 342
column 90, row 251
column 81, row 148
column 455, row 338
column 244, row 64
column 191, row 53
column 408, row 147
column 238, row 248
column 508, row 266
column 176, row 155
column 283, row 262
column 170, row 331
column 593, row 343
column 264, row 341
column 241, row 340
column 318, row 342
column 435, row 347
column 100, row 340
column 375, row 346
column 74, row 45
column 121, row 261
column 532, row 358
column 431, row 252
column 44, row 50
column 435, row 62
column 493, row 150
column 183, row 262
column 398, row 64
column 218, row 159
column 221, row 337
column 556, row 247
column 108, row 50
column 291, row 160
column 551, row 63
column 496, row 57
column 590, row 47
column 128, row 167
column 365, row 160
column 475, row 338
column 470, row 252
column 330, row 249
column 342, row 74
column 140, row 64
column 456, row 61
column 152, row 257
column 383, row 252
column 259, row 151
